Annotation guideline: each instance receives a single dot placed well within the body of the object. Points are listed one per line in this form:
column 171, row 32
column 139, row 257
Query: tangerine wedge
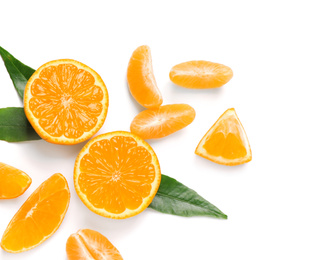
column 39, row 217
column 162, row 121
column 65, row 101
column 200, row 74
column 141, row 80
column 226, row 142
column 90, row 244
column 13, row 182
column 117, row 174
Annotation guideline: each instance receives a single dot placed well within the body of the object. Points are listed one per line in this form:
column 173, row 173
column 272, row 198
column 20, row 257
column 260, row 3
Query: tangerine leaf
column 177, row 199
column 18, row 71
column 14, row 125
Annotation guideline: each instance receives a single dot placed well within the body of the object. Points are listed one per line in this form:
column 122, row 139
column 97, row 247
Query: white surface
column 266, row 44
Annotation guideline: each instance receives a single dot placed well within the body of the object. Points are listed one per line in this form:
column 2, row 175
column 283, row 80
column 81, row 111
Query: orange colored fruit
column 200, row 74
column 66, row 102
column 226, row 141
column 90, row 244
column 141, row 80
column 39, row 217
column 117, row 175
column 13, row 182
column 162, row 121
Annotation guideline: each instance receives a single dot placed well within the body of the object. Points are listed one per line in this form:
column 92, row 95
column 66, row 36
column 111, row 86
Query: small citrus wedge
column 200, row 74
column 226, row 141
column 162, row 121
column 39, row 217
column 141, row 80
column 13, row 182
column 117, row 174
column 65, row 101
column 91, row 245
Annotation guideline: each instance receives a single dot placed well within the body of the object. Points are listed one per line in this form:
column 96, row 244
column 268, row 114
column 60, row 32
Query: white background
column 266, row 43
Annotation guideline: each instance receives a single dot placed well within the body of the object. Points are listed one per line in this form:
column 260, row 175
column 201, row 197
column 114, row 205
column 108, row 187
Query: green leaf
column 19, row 72
column 14, row 126
column 175, row 198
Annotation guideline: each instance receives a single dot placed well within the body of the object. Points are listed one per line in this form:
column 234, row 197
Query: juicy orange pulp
column 90, row 244
column 200, row 74
column 13, row 182
column 141, row 80
column 226, row 141
column 117, row 174
column 65, row 101
column 162, row 121
column 39, row 217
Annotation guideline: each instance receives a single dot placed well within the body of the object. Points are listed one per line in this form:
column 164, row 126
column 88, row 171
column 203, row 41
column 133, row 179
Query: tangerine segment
column 141, row 80
column 13, row 182
column 200, row 74
column 90, row 244
column 39, row 217
column 226, row 142
column 117, row 175
column 163, row 121
column 66, row 102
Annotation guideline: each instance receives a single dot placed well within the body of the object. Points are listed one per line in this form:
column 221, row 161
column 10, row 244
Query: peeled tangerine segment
column 90, row 244
column 200, row 74
column 162, row 121
column 226, row 142
column 141, row 80
column 39, row 217
column 13, row 182
column 117, row 174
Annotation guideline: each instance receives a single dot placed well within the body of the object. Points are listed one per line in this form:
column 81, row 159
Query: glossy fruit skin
column 200, row 74
column 141, row 80
column 162, row 121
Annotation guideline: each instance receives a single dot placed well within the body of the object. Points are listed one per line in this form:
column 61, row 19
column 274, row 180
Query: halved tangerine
column 117, row 174
column 65, row 101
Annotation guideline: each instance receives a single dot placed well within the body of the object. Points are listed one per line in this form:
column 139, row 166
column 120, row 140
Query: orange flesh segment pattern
column 13, row 182
column 141, row 80
column 163, row 121
column 200, row 74
column 66, row 100
column 39, row 217
column 90, row 244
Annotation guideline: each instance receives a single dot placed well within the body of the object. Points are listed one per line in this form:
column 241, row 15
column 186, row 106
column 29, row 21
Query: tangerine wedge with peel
column 162, row 121
column 226, row 142
column 65, row 101
column 117, row 174
column 141, row 80
column 13, row 182
column 200, row 74
column 39, row 217
column 90, row 244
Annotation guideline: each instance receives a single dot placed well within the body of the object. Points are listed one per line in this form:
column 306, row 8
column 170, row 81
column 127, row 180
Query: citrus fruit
column 200, row 74
column 141, row 80
column 162, row 121
column 65, row 101
column 226, row 141
column 13, row 182
column 117, row 174
column 90, row 244
column 39, row 217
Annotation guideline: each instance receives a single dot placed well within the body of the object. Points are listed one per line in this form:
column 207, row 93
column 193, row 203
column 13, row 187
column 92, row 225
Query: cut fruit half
column 13, row 182
column 66, row 102
column 117, row 175
column 141, row 80
column 39, row 217
column 200, row 74
column 91, row 245
column 162, row 121
column 226, row 142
